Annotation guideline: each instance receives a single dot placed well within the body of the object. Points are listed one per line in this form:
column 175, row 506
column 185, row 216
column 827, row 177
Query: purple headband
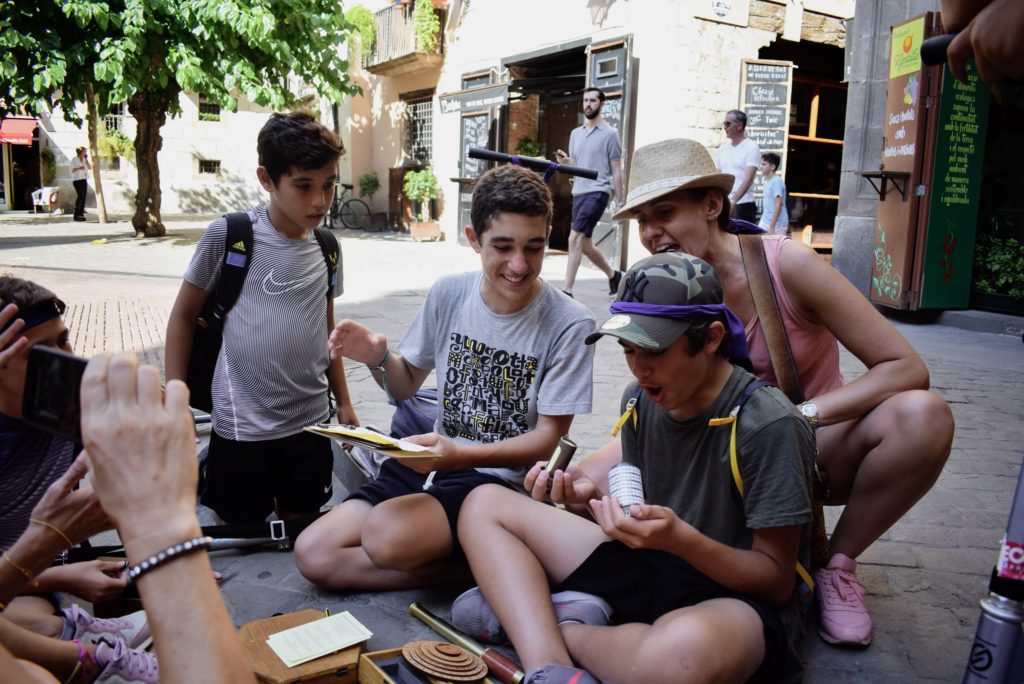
column 694, row 312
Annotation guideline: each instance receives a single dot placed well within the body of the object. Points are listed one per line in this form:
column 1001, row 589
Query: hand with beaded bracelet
column 142, row 455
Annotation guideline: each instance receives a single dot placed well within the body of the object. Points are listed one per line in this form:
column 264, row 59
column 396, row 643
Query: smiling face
column 680, row 381
column 679, row 223
column 511, row 255
column 300, row 198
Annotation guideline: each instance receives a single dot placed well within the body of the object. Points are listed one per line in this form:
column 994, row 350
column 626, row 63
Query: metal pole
column 997, row 654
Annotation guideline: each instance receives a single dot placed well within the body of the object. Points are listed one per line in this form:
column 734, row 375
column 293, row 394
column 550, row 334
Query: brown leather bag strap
column 762, row 290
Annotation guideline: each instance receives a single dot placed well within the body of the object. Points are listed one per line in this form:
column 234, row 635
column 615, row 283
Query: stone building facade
column 673, row 68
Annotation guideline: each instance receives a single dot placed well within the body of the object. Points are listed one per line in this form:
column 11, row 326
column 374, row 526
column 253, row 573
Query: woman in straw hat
column 882, row 438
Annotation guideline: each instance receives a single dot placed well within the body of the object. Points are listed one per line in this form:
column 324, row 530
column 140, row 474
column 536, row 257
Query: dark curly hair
column 295, row 139
column 508, row 189
column 26, row 294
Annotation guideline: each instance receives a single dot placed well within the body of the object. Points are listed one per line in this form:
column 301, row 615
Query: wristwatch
column 810, row 412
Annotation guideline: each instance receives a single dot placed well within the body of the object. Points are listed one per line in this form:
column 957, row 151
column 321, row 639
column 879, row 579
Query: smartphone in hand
column 51, row 400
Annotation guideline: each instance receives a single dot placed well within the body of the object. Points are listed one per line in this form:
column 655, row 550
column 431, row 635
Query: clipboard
column 373, row 440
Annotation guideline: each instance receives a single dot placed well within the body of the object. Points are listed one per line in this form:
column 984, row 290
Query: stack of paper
column 318, row 638
column 375, row 441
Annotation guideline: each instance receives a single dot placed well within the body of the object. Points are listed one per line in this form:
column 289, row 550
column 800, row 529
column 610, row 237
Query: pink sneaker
column 132, row 629
column 844, row 618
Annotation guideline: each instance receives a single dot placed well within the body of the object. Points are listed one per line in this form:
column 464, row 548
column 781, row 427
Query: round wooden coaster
column 444, row 660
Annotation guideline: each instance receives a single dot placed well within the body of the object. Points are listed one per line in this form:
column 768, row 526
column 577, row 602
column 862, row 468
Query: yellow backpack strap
column 630, row 411
column 806, row 586
column 734, row 461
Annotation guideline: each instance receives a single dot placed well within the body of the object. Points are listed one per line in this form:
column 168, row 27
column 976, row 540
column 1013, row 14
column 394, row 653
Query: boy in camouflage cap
column 650, row 595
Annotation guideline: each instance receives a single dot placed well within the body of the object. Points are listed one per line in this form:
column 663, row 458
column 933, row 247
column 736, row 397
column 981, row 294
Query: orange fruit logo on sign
column 908, row 43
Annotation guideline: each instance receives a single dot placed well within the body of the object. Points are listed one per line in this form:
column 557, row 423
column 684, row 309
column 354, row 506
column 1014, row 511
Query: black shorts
column 746, row 211
column 245, row 479
column 587, row 210
column 643, row 585
column 449, row 487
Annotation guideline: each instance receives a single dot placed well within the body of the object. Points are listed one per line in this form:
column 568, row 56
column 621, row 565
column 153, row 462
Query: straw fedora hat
column 667, row 166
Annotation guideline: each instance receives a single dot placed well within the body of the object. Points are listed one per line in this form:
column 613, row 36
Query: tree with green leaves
column 146, row 52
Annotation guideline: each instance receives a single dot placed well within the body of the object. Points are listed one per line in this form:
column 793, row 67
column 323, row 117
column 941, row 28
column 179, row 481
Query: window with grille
column 419, row 125
column 208, row 109
column 114, row 121
column 209, row 166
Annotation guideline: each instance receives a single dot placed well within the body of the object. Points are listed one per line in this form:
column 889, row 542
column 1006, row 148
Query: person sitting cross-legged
column 701, row 583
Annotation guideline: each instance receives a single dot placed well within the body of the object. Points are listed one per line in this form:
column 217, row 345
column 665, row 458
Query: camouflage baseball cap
column 670, row 279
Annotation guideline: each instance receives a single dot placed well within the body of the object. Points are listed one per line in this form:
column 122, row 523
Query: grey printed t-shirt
column 270, row 378
column 496, row 372
column 594, row 148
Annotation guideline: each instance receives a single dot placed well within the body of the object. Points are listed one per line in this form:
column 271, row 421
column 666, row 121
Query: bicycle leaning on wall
column 352, row 212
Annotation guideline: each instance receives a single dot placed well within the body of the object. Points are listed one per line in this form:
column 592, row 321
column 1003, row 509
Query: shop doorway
column 817, row 121
column 544, row 106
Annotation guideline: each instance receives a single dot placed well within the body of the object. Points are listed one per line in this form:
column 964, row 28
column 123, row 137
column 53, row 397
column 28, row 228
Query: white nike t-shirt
column 270, row 379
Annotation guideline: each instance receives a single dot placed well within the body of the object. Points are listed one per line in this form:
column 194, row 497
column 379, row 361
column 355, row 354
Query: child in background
column 773, row 215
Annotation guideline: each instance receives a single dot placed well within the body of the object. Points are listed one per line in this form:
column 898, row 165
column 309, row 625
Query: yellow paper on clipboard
column 370, row 439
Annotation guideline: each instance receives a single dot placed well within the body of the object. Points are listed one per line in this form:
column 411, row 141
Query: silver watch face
column 809, row 410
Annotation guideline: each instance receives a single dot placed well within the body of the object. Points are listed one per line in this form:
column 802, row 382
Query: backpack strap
column 806, row 586
column 630, row 411
column 332, row 252
column 762, row 291
column 237, row 256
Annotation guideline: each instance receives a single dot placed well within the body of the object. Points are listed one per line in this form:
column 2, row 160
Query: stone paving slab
column 923, row 578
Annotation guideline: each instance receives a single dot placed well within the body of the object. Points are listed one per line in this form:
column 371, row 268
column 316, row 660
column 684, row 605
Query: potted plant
column 999, row 275
column 426, row 26
column 369, row 183
column 421, row 187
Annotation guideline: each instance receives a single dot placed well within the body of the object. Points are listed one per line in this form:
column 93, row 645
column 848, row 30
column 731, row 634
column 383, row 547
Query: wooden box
column 337, row 668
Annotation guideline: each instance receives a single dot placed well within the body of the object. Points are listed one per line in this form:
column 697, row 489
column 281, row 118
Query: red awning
column 17, row 131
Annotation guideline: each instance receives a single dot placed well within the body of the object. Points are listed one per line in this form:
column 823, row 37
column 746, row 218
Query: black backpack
column 209, row 331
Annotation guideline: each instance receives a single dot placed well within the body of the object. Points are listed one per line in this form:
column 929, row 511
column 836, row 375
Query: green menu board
column 955, row 184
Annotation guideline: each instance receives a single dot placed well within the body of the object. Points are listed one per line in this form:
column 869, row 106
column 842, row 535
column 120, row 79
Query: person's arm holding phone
column 140, row 446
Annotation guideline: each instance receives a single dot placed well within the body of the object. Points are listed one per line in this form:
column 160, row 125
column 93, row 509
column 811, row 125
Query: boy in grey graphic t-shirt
column 512, row 371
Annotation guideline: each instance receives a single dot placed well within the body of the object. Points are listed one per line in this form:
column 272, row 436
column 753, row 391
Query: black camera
column 52, row 384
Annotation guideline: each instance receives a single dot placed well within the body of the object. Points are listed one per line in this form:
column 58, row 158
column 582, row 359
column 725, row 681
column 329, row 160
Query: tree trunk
column 150, row 111
column 90, row 102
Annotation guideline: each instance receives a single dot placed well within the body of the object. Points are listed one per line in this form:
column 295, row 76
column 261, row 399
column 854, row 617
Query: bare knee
column 923, row 423
column 481, row 509
column 318, row 548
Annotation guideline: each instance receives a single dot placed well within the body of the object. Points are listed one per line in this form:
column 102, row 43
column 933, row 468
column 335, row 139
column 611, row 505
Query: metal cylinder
column 626, row 484
column 997, row 654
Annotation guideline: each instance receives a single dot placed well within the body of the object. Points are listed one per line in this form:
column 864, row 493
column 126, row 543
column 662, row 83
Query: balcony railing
column 395, row 50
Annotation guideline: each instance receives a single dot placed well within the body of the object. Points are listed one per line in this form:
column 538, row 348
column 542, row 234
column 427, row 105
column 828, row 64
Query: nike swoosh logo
column 273, row 287
column 327, row 489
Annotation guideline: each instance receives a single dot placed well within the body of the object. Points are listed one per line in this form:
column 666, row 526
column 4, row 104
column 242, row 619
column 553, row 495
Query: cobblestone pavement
column 923, row 578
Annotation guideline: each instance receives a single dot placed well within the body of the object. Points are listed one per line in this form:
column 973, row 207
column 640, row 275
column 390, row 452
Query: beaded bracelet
column 170, row 553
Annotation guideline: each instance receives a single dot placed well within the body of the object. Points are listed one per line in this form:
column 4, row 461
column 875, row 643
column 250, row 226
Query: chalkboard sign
column 765, row 86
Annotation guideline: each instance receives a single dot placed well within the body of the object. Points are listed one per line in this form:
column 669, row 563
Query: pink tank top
column 815, row 348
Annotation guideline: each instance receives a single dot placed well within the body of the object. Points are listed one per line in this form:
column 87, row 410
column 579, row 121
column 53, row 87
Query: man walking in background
column 593, row 145
column 740, row 157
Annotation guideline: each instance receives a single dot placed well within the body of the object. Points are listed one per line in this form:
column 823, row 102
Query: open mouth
column 654, row 393
column 668, row 248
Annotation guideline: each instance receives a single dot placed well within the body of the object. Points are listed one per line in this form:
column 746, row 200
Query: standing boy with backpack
column 273, row 372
